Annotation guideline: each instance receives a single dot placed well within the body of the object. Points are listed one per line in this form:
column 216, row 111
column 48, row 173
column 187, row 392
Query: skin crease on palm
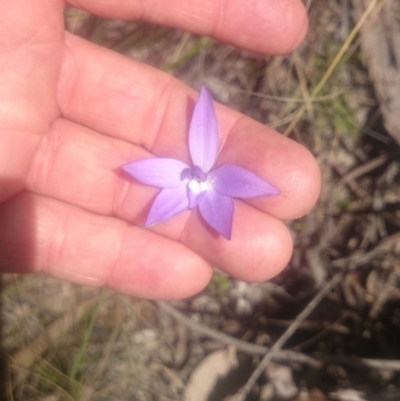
column 71, row 113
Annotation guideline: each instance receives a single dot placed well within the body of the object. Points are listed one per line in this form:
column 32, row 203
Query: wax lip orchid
column 186, row 187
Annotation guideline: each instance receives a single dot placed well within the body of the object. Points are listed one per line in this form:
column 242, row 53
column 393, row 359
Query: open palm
column 71, row 113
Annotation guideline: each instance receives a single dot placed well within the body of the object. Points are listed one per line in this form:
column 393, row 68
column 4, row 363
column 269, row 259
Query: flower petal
column 238, row 182
column 194, row 198
column 158, row 172
column 217, row 210
column 203, row 133
column 168, row 203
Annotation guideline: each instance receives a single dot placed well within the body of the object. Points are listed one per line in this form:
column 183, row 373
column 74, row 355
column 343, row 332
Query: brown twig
column 243, row 346
column 241, row 396
column 363, row 169
column 281, row 355
column 386, row 364
column 357, row 259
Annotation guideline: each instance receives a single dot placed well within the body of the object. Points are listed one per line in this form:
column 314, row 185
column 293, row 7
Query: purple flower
column 185, row 187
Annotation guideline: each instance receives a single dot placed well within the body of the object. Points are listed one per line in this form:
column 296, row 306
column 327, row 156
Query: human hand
column 71, row 113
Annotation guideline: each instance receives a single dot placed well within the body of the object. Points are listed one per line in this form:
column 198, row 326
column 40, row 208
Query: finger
column 41, row 234
column 131, row 101
column 31, row 43
column 81, row 167
column 282, row 162
column 260, row 246
column 270, row 27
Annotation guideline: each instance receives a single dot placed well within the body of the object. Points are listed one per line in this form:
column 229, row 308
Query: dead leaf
column 204, row 378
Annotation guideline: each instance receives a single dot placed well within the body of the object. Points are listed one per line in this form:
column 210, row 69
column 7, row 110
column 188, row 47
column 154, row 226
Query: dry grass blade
column 334, row 63
column 25, row 357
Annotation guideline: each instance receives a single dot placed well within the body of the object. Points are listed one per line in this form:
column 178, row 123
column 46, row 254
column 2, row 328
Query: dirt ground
column 337, row 304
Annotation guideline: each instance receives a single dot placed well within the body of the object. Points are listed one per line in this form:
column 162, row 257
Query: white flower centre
column 197, row 186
